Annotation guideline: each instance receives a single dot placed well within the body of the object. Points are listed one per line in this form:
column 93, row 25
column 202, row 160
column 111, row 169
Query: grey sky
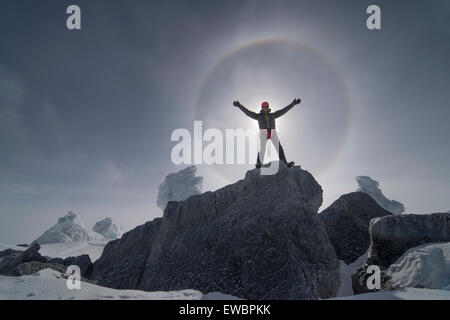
column 86, row 116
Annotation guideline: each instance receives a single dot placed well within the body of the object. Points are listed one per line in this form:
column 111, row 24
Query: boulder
column 390, row 239
column 12, row 259
column 426, row 266
column 31, row 267
column 83, row 261
column 259, row 238
column 392, row 236
column 347, row 223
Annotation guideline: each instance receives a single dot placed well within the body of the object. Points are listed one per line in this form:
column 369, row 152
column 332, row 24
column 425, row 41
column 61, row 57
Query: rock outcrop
column 259, row 238
column 347, row 224
column 83, row 261
column 107, row 228
column 392, row 236
column 18, row 263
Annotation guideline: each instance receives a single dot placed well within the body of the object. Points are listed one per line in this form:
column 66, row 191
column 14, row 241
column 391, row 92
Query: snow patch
column 346, row 272
column 426, row 266
column 401, row 294
column 49, row 284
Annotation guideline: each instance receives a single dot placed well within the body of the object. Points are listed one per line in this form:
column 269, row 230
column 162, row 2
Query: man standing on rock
column 266, row 122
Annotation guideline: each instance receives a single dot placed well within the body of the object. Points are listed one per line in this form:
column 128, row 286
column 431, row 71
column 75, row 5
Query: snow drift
column 426, row 266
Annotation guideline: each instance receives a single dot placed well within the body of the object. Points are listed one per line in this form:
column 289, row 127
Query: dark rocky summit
column 259, row 238
column 347, row 223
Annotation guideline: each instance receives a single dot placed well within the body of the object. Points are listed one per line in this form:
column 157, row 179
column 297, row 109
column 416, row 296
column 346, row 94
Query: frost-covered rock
column 69, row 228
column 259, row 238
column 372, row 188
column 179, row 186
column 426, row 266
column 392, row 236
column 107, row 228
column 347, row 223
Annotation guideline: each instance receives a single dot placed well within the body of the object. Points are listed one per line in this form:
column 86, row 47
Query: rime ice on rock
column 179, row 186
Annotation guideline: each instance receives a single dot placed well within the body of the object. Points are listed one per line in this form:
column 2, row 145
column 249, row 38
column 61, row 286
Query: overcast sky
column 86, row 116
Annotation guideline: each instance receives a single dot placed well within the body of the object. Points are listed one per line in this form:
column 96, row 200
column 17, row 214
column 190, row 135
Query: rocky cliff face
column 259, row 238
column 347, row 223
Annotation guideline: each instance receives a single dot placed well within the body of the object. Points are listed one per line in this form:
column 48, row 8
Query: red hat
column 264, row 104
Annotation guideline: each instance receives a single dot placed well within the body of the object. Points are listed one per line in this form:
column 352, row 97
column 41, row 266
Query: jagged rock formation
column 179, row 186
column 347, row 223
column 259, row 238
column 372, row 188
column 107, row 228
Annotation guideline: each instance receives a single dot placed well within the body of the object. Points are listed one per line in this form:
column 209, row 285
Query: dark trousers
column 264, row 136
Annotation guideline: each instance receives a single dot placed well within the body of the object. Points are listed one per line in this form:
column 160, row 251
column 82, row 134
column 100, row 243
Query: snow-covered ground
column 49, row 285
column 7, row 246
column 71, row 249
column 401, row 294
column 346, row 275
column 64, row 250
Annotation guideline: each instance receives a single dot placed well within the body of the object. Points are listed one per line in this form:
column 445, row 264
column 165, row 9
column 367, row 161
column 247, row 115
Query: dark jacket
column 266, row 120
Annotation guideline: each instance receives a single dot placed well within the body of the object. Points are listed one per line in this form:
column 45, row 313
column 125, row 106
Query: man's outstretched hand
column 236, row 103
column 296, row 101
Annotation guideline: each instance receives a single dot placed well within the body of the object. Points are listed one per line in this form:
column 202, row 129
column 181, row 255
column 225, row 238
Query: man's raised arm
column 249, row 113
column 280, row 112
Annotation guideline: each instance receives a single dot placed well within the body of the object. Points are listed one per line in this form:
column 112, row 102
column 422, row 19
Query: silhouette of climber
column 266, row 121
